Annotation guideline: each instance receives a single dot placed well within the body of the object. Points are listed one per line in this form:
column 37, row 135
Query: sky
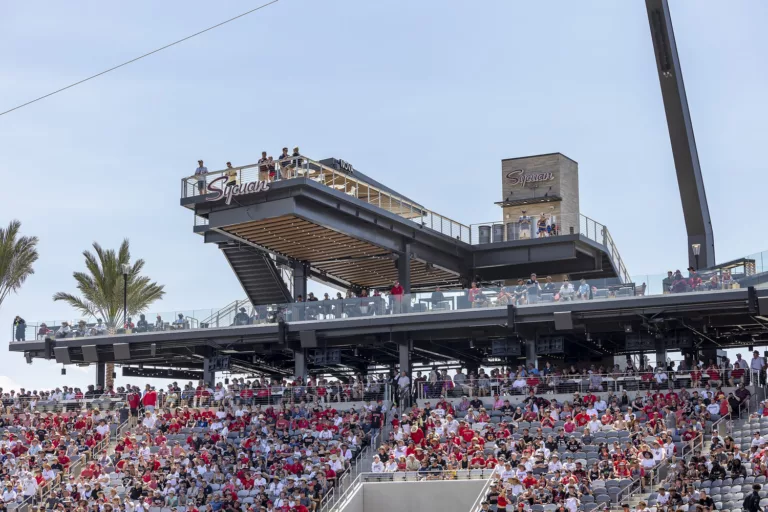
column 426, row 97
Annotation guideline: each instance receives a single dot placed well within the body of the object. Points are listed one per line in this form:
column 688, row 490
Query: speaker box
column 762, row 306
column 62, row 355
column 511, row 313
column 90, row 355
column 563, row 321
column 122, row 351
column 308, row 339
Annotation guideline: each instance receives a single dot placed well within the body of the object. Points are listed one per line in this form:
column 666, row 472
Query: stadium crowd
column 580, row 454
column 200, row 451
column 39, row 450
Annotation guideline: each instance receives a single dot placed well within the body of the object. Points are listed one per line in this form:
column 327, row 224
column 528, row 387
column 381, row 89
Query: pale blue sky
column 424, row 96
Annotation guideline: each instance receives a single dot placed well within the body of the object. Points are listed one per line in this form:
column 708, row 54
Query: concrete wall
column 356, row 502
column 454, row 496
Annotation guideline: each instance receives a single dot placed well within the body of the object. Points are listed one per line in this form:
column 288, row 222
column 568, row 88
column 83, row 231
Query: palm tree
column 102, row 288
column 17, row 254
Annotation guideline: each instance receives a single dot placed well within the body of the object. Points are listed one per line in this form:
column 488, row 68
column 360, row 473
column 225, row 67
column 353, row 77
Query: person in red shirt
column 417, row 435
column 582, row 419
column 150, row 399
column 134, row 400
column 397, row 297
column 529, row 480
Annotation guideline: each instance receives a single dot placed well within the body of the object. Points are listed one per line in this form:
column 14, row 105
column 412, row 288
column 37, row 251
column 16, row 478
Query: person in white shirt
column 572, row 503
column 662, row 497
column 9, row 494
column 507, row 472
column 661, row 376
column 658, row 452
column 555, row 464
column 377, row 466
column 756, row 365
column 594, row 425
column 591, row 411
column 600, row 405
column 713, row 408
column 391, row 465
column 149, row 420
column 403, row 381
column 740, row 363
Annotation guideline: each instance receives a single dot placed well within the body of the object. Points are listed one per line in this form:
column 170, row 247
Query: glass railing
column 523, row 294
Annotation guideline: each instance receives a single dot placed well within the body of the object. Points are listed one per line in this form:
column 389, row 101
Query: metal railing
column 576, row 383
column 301, row 167
column 545, row 291
column 546, row 226
column 476, row 506
column 47, row 489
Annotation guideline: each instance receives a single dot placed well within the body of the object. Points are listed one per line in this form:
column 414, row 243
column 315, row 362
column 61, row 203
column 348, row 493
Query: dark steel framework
column 692, row 193
column 597, row 330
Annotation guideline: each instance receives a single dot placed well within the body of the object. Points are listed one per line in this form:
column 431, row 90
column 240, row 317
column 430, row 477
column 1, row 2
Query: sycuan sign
column 518, row 177
column 231, row 191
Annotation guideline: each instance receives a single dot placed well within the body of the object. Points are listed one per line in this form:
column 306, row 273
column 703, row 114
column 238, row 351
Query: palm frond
column 102, row 286
column 17, row 256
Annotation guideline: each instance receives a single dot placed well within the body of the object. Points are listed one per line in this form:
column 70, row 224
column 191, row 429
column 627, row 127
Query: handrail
column 483, row 492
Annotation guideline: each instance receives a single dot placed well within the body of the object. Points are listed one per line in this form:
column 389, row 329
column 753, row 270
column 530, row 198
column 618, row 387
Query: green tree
column 17, row 254
column 102, row 286
column 102, row 289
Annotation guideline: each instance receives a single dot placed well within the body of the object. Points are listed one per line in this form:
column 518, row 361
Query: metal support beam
column 300, row 364
column 101, row 375
column 300, row 273
column 692, row 194
column 209, row 375
column 404, row 268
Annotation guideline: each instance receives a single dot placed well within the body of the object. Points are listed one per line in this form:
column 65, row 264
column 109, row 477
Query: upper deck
column 354, row 232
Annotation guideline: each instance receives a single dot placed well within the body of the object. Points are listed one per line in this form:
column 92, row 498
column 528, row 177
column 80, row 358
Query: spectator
column 200, row 173
column 666, row 283
column 231, row 174
column 20, row 328
column 142, row 325
column 263, row 164
column 241, row 318
column 396, row 292
column 532, row 289
column 64, row 331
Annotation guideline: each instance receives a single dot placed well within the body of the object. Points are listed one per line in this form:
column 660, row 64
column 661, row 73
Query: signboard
column 518, row 177
column 220, row 189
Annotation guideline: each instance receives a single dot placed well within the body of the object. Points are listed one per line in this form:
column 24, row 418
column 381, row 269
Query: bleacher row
column 228, row 469
column 39, row 449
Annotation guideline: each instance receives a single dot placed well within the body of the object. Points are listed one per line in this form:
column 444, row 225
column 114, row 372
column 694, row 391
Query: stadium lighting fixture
column 126, row 271
column 696, row 251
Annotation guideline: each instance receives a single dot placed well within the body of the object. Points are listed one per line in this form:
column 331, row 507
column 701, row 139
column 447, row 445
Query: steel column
column 689, row 180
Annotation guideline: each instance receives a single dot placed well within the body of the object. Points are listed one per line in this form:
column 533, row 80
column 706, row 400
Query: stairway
column 258, row 274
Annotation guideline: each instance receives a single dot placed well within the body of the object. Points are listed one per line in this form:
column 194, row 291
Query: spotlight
column 627, row 328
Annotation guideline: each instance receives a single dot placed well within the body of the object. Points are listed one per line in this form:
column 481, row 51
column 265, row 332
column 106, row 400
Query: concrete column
column 661, row 358
column 209, row 375
column 300, row 364
column 101, row 375
column 300, row 272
